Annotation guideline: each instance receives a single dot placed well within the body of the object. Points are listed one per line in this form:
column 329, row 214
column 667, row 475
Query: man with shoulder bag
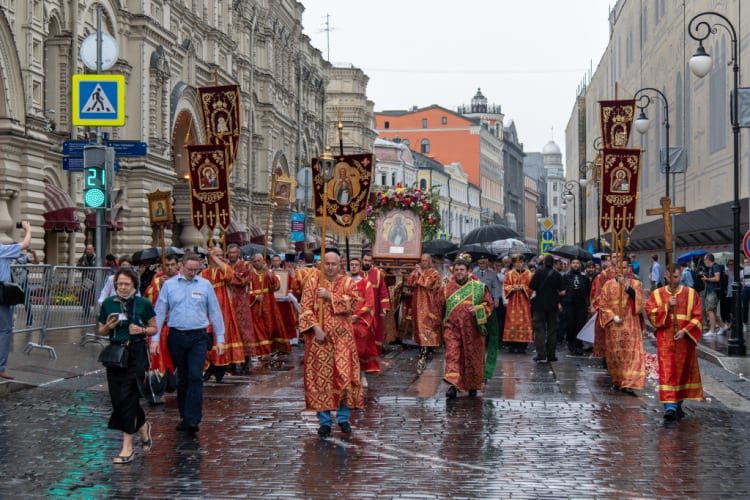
column 8, row 253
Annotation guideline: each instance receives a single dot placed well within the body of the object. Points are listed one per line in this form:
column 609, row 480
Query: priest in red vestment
column 675, row 311
column 382, row 298
column 270, row 337
column 364, row 335
column 607, row 273
column 466, row 304
column 518, row 330
column 286, row 306
column 219, row 273
column 425, row 283
column 621, row 305
column 240, row 298
column 332, row 380
column 161, row 361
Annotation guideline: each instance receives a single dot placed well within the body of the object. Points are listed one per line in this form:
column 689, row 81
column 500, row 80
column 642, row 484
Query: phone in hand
column 113, row 315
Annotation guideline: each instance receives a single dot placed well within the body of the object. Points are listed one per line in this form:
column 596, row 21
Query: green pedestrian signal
column 95, row 187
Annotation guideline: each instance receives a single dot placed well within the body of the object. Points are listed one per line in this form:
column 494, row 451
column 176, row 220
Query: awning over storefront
column 256, row 234
column 237, row 233
column 59, row 211
column 116, row 226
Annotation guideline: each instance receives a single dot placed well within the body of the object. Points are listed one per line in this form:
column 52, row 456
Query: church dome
column 551, row 149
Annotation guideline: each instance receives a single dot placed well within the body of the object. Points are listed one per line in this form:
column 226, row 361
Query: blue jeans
column 188, row 352
column 342, row 415
column 6, row 334
column 672, row 406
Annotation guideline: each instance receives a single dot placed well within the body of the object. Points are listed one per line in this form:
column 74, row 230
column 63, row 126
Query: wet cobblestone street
column 537, row 432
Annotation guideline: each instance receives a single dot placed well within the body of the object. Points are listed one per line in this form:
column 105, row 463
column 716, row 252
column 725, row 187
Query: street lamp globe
column 700, row 63
column 583, row 182
column 563, row 205
column 642, row 123
column 569, row 196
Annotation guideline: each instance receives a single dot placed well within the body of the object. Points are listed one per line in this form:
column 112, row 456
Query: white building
column 552, row 158
column 394, row 164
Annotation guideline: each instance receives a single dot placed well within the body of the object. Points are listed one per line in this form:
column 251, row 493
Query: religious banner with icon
column 220, row 107
column 616, row 121
column 209, row 185
column 346, row 193
column 619, row 186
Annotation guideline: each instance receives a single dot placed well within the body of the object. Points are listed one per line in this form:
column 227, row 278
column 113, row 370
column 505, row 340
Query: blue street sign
column 75, row 164
column 548, row 235
column 122, row 148
column 98, row 100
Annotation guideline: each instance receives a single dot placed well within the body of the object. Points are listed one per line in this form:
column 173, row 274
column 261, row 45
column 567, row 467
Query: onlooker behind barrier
column 7, row 254
column 88, row 259
column 21, row 277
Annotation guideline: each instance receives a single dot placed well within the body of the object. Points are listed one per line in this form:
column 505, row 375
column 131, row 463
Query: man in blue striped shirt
column 190, row 304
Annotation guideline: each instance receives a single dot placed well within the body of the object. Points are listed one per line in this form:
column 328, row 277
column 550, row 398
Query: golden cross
column 197, row 216
column 211, row 216
column 666, row 211
column 223, row 215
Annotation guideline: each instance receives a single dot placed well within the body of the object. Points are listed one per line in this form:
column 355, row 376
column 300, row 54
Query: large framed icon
column 398, row 235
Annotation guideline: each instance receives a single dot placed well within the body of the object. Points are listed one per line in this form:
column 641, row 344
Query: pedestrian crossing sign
column 99, row 100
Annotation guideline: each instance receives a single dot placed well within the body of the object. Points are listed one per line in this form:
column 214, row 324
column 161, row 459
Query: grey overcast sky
column 526, row 55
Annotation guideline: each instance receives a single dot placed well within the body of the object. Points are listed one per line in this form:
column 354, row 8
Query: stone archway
column 185, row 130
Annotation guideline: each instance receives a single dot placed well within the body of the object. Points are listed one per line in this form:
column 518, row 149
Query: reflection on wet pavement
column 539, row 431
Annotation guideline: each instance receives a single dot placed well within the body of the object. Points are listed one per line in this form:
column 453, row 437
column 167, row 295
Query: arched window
column 423, row 184
column 424, row 146
column 393, row 178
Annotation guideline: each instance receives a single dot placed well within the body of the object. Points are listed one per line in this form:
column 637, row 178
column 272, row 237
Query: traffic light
column 94, row 177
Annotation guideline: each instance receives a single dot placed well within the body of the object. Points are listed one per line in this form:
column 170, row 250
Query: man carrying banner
column 219, row 274
column 425, row 283
column 241, row 300
column 267, row 321
column 382, row 300
column 364, row 335
column 620, row 310
column 517, row 331
column 675, row 311
column 467, row 304
column 331, row 362
column 160, row 361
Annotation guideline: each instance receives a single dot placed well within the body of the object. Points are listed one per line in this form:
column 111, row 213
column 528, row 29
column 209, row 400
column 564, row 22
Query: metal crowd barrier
column 60, row 298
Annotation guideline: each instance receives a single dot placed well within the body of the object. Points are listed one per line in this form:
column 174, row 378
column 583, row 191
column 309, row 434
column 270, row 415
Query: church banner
column 616, row 121
column 209, row 185
column 619, row 185
column 220, row 107
column 346, row 193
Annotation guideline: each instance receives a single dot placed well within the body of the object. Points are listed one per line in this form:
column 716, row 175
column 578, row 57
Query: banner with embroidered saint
column 220, row 107
column 619, row 185
column 616, row 121
column 209, row 185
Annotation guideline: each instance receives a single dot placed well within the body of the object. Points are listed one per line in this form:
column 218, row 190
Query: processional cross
column 666, row 211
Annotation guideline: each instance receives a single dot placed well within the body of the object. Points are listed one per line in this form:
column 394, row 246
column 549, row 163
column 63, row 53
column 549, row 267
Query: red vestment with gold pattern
column 220, row 277
column 364, row 335
column 160, row 362
column 382, row 303
column 464, row 344
column 626, row 360
column 600, row 339
column 242, row 303
column 425, row 297
column 267, row 321
column 679, row 374
column 288, row 312
column 332, row 366
column 518, row 311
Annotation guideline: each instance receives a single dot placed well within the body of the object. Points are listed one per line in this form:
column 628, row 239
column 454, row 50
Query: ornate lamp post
column 570, row 197
column 700, row 64
column 589, row 167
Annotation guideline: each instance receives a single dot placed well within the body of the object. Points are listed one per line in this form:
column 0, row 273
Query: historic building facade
column 166, row 50
column 347, row 102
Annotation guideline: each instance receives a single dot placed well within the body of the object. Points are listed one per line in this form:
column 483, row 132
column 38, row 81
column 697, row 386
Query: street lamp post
column 590, row 167
column 570, row 197
column 700, row 65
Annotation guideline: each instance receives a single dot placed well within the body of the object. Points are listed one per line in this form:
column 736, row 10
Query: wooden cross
column 666, row 211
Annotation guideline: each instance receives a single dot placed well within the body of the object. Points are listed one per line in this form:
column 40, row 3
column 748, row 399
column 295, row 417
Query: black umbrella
column 491, row 232
column 571, row 252
column 154, row 254
column 439, row 247
column 476, row 251
column 252, row 249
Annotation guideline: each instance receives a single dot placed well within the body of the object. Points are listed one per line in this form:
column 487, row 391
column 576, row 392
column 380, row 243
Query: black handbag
column 11, row 294
column 114, row 356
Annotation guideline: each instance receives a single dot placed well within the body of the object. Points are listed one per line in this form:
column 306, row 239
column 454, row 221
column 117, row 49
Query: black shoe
column 324, row 431
column 182, row 426
column 452, row 392
column 537, row 359
column 670, row 415
column 193, row 429
column 629, row 391
column 345, row 427
column 680, row 413
column 553, row 358
column 472, row 393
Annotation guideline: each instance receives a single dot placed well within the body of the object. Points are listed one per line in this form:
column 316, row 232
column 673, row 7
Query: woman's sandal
column 147, row 443
column 123, row 459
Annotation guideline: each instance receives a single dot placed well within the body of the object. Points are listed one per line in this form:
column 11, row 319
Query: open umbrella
column 571, row 252
column 689, row 256
column 439, row 247
column 154, row 253
column 488, row 233
column 508, row 246
column 251, row 249
column 476, row 251
column 723, row 257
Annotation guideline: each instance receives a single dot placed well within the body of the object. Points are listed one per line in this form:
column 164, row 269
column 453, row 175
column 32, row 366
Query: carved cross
column 666, row 211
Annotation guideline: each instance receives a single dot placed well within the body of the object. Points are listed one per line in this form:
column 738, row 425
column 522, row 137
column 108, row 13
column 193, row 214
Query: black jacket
column 577, row 287
column 547, row 284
